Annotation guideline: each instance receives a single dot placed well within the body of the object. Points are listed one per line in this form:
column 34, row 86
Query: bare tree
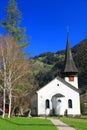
column 13, row 67
column 3, row 71
column 23, row 92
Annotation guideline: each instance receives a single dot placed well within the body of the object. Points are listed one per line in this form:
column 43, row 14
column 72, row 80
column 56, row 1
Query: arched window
column 47, row 104
column 70, row 103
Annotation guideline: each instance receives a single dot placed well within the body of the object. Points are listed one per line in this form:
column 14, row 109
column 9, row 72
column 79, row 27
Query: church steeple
column 69, row 62
column 70, row 71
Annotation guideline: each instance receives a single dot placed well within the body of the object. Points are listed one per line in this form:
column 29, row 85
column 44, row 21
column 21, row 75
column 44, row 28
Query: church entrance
column 57, row 104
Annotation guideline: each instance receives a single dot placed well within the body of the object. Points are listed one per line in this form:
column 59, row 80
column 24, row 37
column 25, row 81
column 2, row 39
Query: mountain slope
column 49, row 65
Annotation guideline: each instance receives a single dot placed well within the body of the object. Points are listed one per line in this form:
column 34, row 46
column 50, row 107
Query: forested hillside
column 49, row 65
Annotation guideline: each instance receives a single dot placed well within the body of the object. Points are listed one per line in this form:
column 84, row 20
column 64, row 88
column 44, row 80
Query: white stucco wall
column 55, row 87
column 74, row 83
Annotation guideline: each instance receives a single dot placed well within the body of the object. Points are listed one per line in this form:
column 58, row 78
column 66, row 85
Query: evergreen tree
column 11, row 23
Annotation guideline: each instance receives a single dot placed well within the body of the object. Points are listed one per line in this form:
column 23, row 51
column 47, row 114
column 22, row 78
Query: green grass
column 18, row 123
column 78, row 123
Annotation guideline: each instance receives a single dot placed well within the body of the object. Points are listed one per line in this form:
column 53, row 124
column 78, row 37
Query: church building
column 61, row 95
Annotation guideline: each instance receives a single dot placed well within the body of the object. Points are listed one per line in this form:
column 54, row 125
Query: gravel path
column 60, row 125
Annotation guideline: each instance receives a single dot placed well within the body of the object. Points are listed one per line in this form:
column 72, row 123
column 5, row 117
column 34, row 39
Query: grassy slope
column 26, row 124
column 79, row 123
column 38, row 65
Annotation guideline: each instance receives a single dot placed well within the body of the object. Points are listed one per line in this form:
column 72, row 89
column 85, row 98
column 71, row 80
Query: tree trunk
column 21, row 111
column 3, row 103
column 10, row 97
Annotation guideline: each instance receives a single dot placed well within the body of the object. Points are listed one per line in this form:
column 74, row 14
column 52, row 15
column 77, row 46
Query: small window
column 47, row 104
column 71, row 78
column 70, row 103
column 59, row 100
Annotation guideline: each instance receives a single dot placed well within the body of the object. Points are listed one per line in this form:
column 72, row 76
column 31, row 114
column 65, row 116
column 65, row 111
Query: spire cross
column 67, row 28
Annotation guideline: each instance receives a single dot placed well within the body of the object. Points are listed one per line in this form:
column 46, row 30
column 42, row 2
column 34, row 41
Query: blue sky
column 46, row 22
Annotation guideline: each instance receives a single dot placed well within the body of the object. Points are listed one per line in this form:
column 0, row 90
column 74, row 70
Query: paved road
column 60, row 125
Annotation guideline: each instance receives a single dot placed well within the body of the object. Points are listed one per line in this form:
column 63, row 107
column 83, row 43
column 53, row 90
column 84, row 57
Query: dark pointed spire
column 69, row 62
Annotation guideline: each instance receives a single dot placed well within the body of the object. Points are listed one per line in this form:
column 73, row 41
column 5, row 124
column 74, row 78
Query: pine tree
column 11, row 23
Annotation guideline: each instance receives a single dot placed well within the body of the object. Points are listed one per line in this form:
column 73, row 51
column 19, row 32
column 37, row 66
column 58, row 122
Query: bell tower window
column 71, row 78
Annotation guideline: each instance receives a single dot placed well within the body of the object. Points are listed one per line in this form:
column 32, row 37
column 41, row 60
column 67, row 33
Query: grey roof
column 58, row 95
column 69, row 62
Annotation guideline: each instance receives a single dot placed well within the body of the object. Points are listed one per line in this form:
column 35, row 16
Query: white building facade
column 58, row 98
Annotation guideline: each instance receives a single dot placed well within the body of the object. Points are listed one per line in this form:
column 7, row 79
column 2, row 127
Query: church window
column 59, row 100
column 47, row 104
column 70, row 103
column 71, row 78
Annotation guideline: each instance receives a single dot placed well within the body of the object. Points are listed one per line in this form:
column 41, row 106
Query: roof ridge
column 68, row 84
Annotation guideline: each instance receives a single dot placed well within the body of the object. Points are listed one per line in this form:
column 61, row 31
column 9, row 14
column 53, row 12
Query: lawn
column 78, row 123
column 18, row 123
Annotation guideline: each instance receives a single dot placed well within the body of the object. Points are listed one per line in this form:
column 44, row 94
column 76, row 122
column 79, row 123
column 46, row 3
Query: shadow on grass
column 21, row 124
column 31, row 124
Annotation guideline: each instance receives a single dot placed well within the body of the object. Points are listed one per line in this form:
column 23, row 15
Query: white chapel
column 61, row 95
